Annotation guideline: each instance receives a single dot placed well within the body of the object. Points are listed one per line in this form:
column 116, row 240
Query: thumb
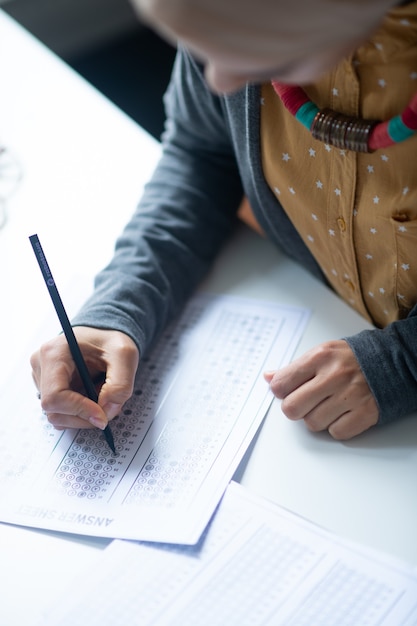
column 118, row 385
column 114, row 393
column 269, row 375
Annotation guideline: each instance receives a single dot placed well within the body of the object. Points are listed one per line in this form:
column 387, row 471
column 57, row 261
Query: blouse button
column 341, row 224
column 401, row 216
column 350, row 285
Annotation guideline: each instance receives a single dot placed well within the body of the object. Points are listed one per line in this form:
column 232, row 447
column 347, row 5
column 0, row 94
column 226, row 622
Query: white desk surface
column 84, row 166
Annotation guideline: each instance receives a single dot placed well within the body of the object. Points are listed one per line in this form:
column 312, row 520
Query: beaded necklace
column 344, row 131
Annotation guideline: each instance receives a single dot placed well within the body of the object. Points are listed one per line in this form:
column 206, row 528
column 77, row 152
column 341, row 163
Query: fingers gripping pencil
column 68, row 331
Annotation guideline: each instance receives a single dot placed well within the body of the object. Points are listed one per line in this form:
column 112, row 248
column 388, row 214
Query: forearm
column 186, row 213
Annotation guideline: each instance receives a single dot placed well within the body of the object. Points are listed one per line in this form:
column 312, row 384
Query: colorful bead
column 343, row 131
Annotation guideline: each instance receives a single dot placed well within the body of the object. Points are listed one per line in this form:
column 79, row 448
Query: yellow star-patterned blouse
column 356, row 212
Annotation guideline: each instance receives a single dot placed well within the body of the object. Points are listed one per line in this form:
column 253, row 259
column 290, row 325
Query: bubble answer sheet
column 256, row 564
column 198, row 400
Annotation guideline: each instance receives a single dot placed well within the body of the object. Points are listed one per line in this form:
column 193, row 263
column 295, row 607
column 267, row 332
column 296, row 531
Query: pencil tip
column 109, row 438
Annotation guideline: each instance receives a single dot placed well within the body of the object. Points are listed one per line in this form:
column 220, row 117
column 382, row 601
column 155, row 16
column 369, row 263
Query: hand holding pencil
column 60, row 375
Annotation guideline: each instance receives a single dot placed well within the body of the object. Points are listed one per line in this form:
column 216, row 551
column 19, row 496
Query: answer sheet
column 198, row 401
column 256, row 564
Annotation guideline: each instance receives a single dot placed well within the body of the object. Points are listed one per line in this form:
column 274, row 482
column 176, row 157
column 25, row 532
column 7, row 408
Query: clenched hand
column 326, row 388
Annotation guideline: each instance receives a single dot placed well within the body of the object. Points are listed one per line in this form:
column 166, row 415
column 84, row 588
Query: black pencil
column 68, row 331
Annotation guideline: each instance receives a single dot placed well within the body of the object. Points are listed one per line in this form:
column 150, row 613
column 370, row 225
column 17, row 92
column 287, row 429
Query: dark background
column 133, row 71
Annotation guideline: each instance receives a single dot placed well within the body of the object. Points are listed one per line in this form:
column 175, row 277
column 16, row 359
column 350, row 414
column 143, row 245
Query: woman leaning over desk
column 276, row 101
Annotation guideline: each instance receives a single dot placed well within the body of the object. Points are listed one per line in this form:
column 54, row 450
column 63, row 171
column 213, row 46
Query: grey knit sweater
column 211, row 157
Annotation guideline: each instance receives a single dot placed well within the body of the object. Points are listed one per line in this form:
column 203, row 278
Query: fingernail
column 269, row 375
column 111, row 409
column 97, row 422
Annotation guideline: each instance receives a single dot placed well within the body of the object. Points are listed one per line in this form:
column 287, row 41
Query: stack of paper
column 256, row 564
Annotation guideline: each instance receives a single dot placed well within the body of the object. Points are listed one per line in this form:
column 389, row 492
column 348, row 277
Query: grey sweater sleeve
column 388, row 359
column 184, row 216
